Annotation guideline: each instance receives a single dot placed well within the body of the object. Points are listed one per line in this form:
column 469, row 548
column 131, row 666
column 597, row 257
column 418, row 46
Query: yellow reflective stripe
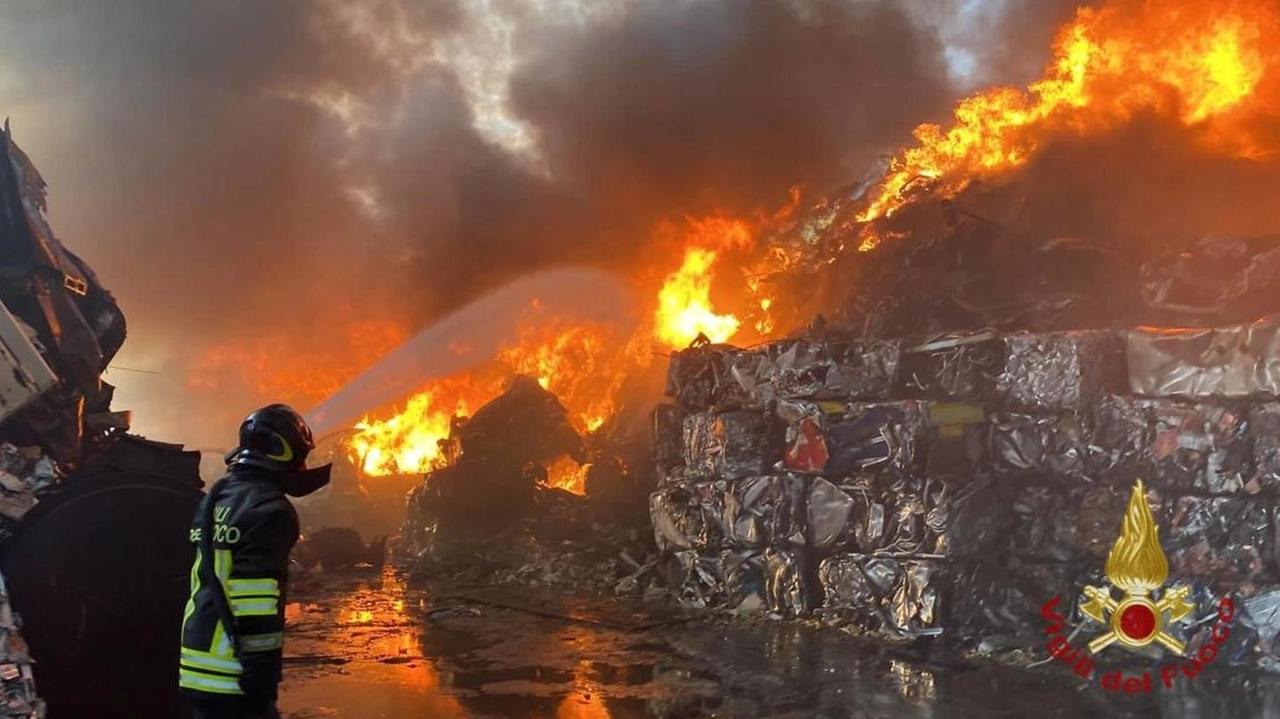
column 212, row 683
column 262, row 642
column 200, row 660
column 253, row 587
column 195, row 587
column 254, row 607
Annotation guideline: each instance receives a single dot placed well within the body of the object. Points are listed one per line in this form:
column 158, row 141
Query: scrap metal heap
column 490, row 517
column 902, row 479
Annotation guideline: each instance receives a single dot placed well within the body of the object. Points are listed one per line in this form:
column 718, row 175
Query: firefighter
column 233, row 627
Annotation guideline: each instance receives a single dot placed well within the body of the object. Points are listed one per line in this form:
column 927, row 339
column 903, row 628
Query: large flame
column 584, row 365
column 1136, row 562
column 1198, row 61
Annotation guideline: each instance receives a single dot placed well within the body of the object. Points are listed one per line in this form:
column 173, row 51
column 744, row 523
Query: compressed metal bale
column 1235, row 361
column 1220, row 537
column 877, row 437
column 689, row 516
column 1264, row 435
column 1173, row 445
column 667, row 440
column 905, row 532
column 764, row 512
column 729, row 445
column 709, row 376
column 957, row 438
column 855, row 588
column 849, row 517
column 804, row 436
column 952, row 368
column 997, row 601
column 1060, row 371
column 852, row 369
column 964, row 517
column 1045, row 445
column 1053, row 522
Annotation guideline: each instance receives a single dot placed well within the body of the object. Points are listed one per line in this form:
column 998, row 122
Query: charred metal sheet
column 1233, row 361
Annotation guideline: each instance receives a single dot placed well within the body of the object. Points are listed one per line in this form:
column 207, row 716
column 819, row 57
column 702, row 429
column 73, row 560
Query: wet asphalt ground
column 368, row 647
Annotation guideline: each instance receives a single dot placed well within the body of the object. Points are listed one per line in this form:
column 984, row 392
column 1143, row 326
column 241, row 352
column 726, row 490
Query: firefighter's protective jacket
column 249, row 527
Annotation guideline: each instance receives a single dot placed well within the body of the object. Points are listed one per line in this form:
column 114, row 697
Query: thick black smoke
column 247, row 174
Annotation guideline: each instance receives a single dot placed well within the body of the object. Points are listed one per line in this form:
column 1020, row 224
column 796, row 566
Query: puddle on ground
column 368, row 648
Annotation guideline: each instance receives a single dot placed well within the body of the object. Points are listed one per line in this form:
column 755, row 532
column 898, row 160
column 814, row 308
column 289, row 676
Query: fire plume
column 584, row 365
column 1200, row 62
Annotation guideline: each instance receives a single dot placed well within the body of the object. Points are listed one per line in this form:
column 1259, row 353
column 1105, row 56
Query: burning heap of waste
column 957, row 445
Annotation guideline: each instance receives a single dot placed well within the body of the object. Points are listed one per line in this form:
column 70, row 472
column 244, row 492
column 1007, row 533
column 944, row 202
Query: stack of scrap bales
column 949, row 487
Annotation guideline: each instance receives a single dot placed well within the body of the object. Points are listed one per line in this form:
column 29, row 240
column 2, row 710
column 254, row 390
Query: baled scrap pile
column 950, row 487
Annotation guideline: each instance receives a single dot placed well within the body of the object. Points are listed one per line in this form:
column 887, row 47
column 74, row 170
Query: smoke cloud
column 289, row 189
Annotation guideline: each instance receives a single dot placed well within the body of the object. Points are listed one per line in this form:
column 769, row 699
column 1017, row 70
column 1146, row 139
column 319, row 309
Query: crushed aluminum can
column 849, row 517
column 1044, row 445
column 1060, row 371
column 764, row 512
column 877, row 437
column 729, row 445
column 1221, row 537
column 852, row 369
column 952, row 368
column 805, row 436
column 1235, row 361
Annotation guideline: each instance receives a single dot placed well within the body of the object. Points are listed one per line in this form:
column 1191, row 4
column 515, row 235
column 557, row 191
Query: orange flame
column 584, row 365
column 1200, row 62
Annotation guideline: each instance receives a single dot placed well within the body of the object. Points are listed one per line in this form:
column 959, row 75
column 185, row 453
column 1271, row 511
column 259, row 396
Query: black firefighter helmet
column 277, row 439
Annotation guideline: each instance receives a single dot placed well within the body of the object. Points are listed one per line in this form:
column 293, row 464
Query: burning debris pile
column 953, row 486
column 493, row 514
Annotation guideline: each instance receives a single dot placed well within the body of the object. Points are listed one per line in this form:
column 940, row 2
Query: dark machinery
column 99, row 568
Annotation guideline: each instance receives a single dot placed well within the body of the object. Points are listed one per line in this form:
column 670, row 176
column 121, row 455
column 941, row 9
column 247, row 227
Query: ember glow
column 1200, row 62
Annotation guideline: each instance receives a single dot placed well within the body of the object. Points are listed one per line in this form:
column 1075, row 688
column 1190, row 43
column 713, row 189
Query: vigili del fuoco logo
column 1137, row 610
